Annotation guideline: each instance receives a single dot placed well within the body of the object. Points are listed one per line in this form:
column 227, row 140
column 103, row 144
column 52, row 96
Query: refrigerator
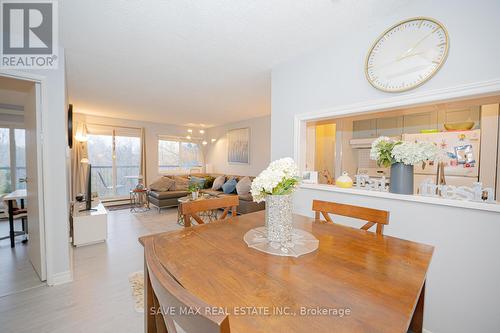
column 461, row 158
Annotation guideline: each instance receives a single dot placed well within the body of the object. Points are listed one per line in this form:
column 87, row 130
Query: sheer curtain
column 78, row 168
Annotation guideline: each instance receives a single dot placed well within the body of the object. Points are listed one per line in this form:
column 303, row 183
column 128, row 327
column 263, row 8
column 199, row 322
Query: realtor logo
column 29, row 34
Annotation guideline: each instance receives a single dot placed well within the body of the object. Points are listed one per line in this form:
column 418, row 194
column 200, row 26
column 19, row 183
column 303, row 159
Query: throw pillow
column 218, row 182
column 243, row 186
column 162, row 185
column 200, row 182
column 209, row 181
column 229, row 186
column 181, row 183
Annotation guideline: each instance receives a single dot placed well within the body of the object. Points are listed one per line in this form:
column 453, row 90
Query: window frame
column 179, row 169
column 12, row 151
column 114, row 131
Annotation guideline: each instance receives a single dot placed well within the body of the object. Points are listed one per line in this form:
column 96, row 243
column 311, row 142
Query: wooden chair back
column 372, row 216
column 180, row 310
column 190, row 209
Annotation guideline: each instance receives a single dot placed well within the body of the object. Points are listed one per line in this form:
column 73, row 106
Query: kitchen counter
column 492, row 207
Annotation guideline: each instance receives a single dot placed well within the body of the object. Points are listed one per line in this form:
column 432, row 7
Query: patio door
column 115, row 156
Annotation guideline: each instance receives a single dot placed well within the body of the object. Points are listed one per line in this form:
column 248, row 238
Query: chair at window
column 18, row 213
column 106, row 186
column 164, row 292
column 191, row 209
column 377, row 217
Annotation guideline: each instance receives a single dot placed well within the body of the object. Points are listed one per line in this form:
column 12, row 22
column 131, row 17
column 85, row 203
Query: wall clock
column 407, row 54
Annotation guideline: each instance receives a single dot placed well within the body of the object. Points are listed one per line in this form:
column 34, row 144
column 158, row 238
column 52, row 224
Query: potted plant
column 401, row 156
column 275, row 186
column 194, row 189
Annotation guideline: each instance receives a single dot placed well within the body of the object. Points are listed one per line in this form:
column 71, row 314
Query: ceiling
column 195, row 63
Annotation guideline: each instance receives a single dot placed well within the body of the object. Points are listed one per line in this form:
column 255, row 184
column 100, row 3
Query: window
column 174, row 155
column 12, row 159
column 115, row 156
column 5, row 180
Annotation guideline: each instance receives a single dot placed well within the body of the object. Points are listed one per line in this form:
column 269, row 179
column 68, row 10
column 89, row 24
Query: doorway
column 22, row 233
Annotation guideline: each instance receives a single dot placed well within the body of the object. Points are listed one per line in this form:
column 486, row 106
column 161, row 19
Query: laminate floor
column 16, row 272
column 99, row 299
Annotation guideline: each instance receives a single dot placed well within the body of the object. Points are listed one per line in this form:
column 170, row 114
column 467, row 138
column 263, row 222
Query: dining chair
column 181, row 311
column 18, row 213
column 372, row 216
column 191, row 209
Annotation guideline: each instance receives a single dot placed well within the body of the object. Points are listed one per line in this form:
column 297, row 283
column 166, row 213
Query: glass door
column 127, row 162
column 115, row 156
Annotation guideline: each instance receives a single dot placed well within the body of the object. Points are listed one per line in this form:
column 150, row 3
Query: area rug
column 137, row 285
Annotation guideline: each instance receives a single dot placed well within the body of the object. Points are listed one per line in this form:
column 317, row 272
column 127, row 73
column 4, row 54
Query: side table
column 139, row 200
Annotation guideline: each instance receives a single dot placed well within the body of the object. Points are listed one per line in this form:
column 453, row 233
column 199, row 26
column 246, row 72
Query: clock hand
column 416, row 45
column 414, row 54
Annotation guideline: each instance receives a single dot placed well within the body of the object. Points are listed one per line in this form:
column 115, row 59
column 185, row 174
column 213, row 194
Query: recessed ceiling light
column 202, row 131
column 188, row 137
column 204, row 143
column 213, row 140
column 190, row 131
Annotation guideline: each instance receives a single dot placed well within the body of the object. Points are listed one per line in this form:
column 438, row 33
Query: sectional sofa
column 163, row 199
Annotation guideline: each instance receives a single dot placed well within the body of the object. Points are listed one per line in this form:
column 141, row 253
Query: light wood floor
column 99, row 299
column 16, row 272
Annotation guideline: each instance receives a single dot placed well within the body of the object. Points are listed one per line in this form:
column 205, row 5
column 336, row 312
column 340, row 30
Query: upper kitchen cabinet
column 390, row 126
column 414, row 123
column 366, row 128
column 460, row 116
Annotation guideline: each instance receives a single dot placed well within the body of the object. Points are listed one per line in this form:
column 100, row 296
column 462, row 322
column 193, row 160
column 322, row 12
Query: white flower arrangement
column 387, row 151
column 280, row 178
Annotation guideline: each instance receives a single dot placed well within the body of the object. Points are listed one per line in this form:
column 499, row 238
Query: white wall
column 463, row 293
column 329, row 78
column 260, row 143
column 153, row 130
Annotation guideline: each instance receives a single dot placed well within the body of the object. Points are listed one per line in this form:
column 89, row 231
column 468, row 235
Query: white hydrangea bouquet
column 280, row 178
column 387, row 151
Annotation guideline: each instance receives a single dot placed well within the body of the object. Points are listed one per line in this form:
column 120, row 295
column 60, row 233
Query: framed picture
column 310, row 177
column 238, row 146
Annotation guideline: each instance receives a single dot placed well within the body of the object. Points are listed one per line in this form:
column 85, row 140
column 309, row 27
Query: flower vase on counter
column 401, row 156
column 401, row 178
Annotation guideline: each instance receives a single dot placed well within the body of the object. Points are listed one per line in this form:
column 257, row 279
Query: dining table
column 10, row 199
column 356, row 281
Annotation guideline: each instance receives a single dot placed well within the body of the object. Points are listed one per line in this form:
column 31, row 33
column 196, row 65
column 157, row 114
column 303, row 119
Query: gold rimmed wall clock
column 407, row 54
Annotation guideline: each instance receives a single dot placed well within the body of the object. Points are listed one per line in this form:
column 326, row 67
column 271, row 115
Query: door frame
column 42, row 110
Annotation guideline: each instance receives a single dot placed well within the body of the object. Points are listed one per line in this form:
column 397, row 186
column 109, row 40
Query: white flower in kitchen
column 387, row 151
column 280, row 178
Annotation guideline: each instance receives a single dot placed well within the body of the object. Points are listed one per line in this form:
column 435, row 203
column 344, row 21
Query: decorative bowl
column 465, row 126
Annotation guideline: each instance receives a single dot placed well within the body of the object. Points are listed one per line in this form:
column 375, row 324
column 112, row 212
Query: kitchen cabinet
column 414, row 123
column 366, row 128
column 460, row 116
column 390, row 126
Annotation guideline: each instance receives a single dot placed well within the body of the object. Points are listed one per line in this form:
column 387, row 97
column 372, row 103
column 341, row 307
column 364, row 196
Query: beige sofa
column 170, row 198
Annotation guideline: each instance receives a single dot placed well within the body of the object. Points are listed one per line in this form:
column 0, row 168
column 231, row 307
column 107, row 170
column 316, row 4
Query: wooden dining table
column 356, row 281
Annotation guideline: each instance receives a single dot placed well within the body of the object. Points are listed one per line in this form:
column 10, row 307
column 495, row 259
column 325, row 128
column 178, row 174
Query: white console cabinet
column 89, row 227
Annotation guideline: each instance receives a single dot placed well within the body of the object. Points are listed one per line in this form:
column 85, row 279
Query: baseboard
column 425, row 331
column 60, row 278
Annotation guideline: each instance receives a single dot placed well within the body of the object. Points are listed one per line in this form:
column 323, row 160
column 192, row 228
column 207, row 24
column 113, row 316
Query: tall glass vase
column 401, row 179
column 279, row 221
